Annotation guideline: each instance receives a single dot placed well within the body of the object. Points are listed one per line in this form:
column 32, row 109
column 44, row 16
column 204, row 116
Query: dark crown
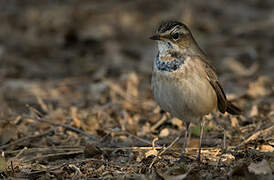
column 167, row 25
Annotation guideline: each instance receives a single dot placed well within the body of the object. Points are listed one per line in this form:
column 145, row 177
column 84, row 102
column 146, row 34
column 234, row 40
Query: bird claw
column 198, row 158
column 181, row 159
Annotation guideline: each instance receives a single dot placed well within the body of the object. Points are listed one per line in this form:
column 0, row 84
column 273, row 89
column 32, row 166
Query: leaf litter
column 76, row 100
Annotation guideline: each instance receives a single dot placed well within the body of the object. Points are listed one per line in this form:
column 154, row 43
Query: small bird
column 184, row 83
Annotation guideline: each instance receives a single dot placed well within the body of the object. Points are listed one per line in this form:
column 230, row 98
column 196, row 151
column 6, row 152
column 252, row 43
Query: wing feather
column 213, row 80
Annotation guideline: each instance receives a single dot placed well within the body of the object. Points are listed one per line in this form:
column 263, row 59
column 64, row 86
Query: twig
column 67, row 127
column 134, row 148
column 42, row 104
column 159, row 123
column 138, row 138
column 55, row 156
column 26, row 139
column 41, row 150
column 159, row 148
column 34, row 111
column 129, row 134
column 77, row 162
column 224, row 144
column 21, row 152
column 76, row 169
column 102, row 161
column 164, row 150
column 12, row 168
column 257, row 134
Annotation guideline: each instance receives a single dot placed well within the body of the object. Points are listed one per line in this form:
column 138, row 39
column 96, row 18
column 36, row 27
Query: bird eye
column 175, row 36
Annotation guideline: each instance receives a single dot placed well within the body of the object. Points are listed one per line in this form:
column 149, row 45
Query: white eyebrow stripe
column 180, row 28
column 175, row 28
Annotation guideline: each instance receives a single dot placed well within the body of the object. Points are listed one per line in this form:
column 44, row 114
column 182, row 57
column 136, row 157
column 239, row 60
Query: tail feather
column 232, row 109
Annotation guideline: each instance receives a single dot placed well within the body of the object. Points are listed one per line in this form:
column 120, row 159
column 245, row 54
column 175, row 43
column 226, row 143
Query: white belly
column 186, row 96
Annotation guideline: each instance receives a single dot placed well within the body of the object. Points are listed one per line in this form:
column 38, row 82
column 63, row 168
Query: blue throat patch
column 169, row 66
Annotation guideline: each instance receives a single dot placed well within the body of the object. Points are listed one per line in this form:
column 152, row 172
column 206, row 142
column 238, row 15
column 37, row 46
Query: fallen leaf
column 92, row 150
column 261, row 87
column 164, row 132
column 74, row 115
column 254, row 111
column 234, row 122
column 177, row 122
column 266, row 148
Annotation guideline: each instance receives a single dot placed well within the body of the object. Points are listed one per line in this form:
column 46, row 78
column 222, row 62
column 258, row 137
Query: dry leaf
column 177, row 122
column 92, row 123
column 91, row 150
column 266, row 148
column 234, row 122
column 74, row 115
column 164, row 132
column 261, row 87
column 132, row 84
column 254, row 111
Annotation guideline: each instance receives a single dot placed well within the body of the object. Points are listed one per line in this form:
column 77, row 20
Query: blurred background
column 88, row 64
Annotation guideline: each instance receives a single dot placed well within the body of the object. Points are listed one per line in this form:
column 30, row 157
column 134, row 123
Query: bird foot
column 198, row 158
column 182, row 158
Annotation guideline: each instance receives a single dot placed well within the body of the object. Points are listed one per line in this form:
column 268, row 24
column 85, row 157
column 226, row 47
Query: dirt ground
column 75, row 98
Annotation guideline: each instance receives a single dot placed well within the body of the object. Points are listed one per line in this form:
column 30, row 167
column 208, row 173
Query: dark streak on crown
column 167, row 25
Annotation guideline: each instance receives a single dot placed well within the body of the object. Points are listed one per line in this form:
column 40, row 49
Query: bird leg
column 186, row 139
column 224, row 143
column 201, row 138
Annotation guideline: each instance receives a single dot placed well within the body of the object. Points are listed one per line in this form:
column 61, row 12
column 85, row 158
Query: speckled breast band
column 169, row 65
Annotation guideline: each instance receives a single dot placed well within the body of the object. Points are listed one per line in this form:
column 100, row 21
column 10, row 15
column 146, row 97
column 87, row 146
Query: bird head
column 174, row 36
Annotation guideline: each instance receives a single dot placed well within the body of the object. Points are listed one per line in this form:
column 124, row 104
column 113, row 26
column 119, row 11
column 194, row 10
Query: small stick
column 21, row 152
column 159, row 123
column 54, row 156
column 257, row 134
column 76, row 169
column 138, row 138
column 224, row 145
column 163, row 151
column 133, row 148
column 103, row 161
column 55, row 149
column 68, row 127
column 12, row 168
column 25, row 139
column 35, row 111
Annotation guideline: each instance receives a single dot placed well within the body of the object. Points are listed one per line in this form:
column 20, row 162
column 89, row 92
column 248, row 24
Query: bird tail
column 232, row 109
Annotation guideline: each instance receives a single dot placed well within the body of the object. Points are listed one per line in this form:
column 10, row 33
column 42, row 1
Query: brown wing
column 213, row 80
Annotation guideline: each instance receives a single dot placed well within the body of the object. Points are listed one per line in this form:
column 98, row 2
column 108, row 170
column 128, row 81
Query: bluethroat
column 184, row 83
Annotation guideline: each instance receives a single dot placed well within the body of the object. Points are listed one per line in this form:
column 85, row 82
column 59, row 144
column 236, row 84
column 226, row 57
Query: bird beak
column 155, row 37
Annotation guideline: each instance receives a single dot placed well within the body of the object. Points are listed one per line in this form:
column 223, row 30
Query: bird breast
column 169, row 63
column 185, row 93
